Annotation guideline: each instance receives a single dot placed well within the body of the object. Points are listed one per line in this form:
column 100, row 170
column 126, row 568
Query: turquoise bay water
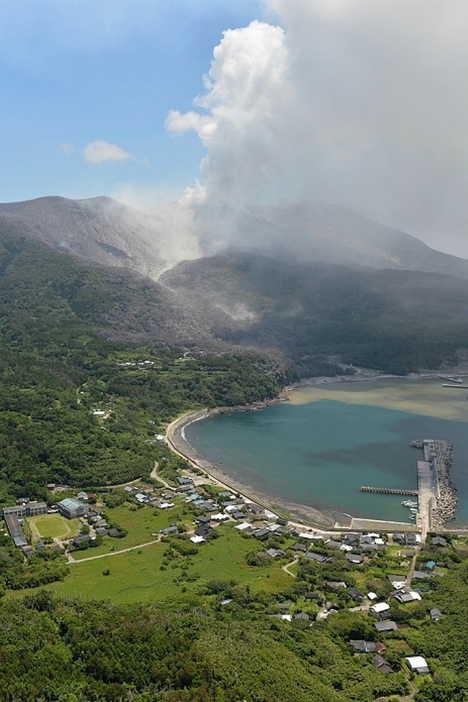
column 319, row 453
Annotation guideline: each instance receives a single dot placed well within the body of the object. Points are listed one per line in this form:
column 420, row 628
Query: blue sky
column 76, row 72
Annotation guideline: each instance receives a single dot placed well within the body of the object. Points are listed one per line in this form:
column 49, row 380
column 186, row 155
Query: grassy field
column 136, row 575
column 139, row 524
column 53, row 525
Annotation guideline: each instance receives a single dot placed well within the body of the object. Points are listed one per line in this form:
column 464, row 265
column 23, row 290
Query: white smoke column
column 358, row 102
column 242, row 113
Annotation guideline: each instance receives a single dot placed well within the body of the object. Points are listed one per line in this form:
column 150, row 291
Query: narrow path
column 288, row 566
column 113, row 553
column 412, row 567
column 155, row 476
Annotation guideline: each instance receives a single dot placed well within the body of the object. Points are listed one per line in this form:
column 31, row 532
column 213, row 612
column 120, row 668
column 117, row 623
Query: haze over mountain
column 107, row 232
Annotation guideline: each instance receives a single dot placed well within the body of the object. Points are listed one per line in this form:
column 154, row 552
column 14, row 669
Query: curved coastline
column 302, row 514
column 177, row 442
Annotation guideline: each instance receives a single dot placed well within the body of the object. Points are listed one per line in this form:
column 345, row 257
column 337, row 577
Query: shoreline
column 300, row 513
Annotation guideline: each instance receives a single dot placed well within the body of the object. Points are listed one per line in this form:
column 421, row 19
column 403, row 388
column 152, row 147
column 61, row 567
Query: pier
column 388, row 491
column 437, row 496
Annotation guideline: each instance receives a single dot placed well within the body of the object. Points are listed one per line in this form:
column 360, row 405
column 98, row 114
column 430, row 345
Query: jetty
column 388, row 491
column 437, row 496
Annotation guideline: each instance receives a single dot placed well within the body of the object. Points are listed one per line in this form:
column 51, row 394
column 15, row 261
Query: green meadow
column 137, row 575
column 139, row 523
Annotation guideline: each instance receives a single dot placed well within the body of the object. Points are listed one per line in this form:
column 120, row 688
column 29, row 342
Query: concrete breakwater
column 388, row 491
column 438, row 456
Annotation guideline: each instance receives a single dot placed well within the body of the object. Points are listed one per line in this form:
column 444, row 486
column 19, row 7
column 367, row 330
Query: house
column 243, row 526
column 417, row 664
column 202, row 520
column 435, row 613
column 361, row 646
column 382, row 665
column 28, row 551
column 420, row 574
column 298, row 547
column 203, row 530
column 412, row 539
column 355, row 558
column 318, row 557
column 301, row 616
column 336, row 584
column 82, row 495
column 383, row 627
column 208, row 506
column 379, row 607
column 405, row 596
column 438, row 541
column 312, row 596
column 71, row 508
column 260, row 533
column 169, row 530
column 197, row 539
column 398, row 581
column 226, row 494
column 333, row 544
column 356, row 595
column 275, row 552
column 281, row 521
column 429, row 565
column 101, row 531
column 256, row 509
column 219, row 517
column 113, row 532
column 183, row 480
column 237, row 515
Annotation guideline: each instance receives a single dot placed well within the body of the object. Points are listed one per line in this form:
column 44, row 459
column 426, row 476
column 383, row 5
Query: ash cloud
column 355, row 102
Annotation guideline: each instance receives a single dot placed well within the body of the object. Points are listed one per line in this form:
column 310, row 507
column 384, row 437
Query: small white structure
column 219, row 517
column 371, row 596
column 243, row 526
column 379, row 607
column 418, row 664
column 166, row 505
column 197, row 539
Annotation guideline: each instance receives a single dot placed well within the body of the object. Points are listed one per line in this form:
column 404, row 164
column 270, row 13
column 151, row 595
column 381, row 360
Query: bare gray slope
column 316, row 231
column 100, row 229
column 107, row 232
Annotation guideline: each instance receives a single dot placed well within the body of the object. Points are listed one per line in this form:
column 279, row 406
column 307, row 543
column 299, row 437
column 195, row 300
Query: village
column 383, row 577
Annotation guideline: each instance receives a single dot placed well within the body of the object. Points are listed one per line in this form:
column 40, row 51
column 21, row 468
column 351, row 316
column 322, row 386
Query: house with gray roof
column 71, row 508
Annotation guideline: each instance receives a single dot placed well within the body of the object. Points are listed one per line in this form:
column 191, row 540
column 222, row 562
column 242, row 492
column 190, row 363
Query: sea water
column 328, row 440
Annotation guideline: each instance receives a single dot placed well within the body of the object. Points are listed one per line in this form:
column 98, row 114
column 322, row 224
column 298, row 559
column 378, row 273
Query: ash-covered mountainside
column 100, row 229
column 394, row 320
column 105, row 231
column 304, row 312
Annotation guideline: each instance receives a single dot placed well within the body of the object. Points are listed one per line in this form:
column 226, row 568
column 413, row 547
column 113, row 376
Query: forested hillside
column 62, row 357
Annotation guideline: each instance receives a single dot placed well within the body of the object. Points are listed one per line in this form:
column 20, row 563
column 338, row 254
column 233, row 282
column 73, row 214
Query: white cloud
column 101, row 151
column 358, row 102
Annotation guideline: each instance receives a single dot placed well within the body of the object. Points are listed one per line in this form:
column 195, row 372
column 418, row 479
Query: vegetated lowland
column 75, row 338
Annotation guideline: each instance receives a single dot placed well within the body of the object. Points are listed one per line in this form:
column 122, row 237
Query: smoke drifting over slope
column 360, row 103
